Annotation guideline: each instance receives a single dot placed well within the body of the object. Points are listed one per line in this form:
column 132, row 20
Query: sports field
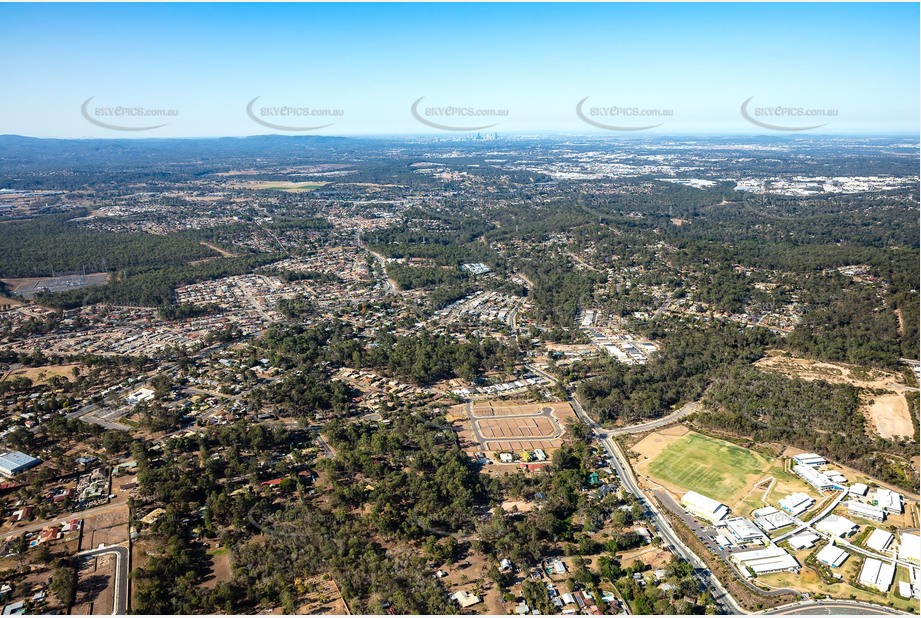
column 706, row 465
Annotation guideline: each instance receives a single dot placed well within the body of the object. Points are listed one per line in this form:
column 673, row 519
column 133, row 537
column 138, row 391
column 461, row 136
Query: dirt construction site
column 492, row 428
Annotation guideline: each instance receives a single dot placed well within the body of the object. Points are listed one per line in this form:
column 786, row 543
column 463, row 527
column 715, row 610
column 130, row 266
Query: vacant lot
column 30, row 286
column 507, row 426
column 706, row 465
column 42, row 374
column 288, row 187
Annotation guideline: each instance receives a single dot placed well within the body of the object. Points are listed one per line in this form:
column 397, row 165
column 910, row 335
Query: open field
column 42, row 374
column 715, row 468
column 286, row 186
column 888, row 413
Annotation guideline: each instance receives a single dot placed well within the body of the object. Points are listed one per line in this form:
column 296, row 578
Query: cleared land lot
column 503, row 426
column 888, row 413
column 30, row 286
column 42, row 374
column 287, row 186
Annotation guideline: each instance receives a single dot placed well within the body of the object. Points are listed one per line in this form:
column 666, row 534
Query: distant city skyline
column 209, row 70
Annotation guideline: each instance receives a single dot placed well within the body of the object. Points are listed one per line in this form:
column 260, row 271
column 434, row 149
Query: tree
column 64, row 585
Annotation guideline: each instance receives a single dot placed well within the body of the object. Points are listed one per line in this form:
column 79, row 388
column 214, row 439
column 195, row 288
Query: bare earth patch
column 888, row 413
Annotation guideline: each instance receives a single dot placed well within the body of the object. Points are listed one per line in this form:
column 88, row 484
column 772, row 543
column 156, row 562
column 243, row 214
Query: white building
column 771, row 559
column 143, row 394
column 810, row 459
column 877, row 574
column 867, row 511
column 879, row 540
column 832, row 556
column 464, row 599
column 743, row 530
column 774, row 521
column 14, row 462
column 910, row 547
column 706, row 508
column 889, row 501
column 804, row 540
column 858, row 489
column 796, row 504
column 815, row 478
column 838, row 526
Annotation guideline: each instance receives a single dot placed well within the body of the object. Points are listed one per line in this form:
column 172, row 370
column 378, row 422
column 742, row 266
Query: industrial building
column 770, row 519
column 879, row 540
column 817, row 479
column 877, row 574
column 838, row 526
column 744, row 531
column 910, row 547
column 832, row 556
column 796, row 504
column 771, row 559
column 810, row 459
column 867, row 511
column 804, row 540
column 14, row 462
column 888, row 500
column 706, row 508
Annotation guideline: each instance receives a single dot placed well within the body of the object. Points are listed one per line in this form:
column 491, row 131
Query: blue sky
column 537, row 61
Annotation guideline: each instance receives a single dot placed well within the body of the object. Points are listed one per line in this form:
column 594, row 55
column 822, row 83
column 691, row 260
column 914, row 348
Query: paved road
column 674, row 417
column 91, row 512
column 120, row 598
column 833, row 608
column 546, row 412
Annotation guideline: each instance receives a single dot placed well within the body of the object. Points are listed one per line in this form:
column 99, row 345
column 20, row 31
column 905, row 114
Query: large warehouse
column 704, row 507
column 877, row 574
column 768, row 560
column 14, row 462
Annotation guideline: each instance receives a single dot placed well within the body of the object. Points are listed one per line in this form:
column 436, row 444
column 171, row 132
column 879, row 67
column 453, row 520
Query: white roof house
column 704, row 507
column 858, row 489
column 879, row 540
column 910, row 547
column 877, row 574
column 464, row 599
column 832, row 556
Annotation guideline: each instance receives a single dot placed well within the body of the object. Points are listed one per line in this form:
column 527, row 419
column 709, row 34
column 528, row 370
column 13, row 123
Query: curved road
column 833, row 608
column 120, row 596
